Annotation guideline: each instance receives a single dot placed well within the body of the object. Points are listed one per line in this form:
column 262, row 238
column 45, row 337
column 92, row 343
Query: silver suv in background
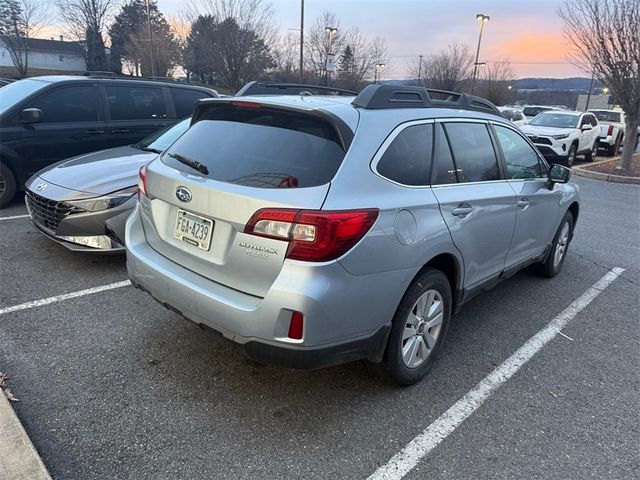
column 316, row 230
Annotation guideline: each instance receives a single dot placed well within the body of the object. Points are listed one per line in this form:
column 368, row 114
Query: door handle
column 523, row 203
column 462, row 210
column 120, row 130
column 94, row 132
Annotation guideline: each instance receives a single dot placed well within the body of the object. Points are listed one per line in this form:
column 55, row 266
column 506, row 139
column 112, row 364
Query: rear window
column 605, row 116
column 261, row 147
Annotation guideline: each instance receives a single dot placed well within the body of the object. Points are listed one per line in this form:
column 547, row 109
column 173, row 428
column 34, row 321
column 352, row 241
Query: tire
column 552, row 265
column 571, row 155
column 413, row 343
column 591, row 156
column 8, row 185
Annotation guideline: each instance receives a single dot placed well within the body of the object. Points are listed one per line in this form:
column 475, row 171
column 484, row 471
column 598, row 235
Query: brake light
column 142, row 181
column 610, row 130
column 243, row 104
column 313, row 235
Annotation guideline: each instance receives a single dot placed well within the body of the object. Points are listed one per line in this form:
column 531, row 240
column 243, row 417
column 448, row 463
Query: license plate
column 193, row 229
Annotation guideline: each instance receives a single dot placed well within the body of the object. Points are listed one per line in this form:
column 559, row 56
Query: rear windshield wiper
column 196, row 165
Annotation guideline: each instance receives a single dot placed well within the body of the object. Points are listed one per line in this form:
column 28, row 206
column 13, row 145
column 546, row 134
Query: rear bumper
column 346, row 317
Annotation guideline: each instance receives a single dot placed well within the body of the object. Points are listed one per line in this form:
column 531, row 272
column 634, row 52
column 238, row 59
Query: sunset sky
column 526, row 32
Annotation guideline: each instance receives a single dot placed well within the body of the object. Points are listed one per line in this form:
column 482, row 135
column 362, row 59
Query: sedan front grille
column 49, row 213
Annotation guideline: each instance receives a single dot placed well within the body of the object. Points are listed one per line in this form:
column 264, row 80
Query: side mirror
column 586, row 127
column 558, row 174
column 31, row 115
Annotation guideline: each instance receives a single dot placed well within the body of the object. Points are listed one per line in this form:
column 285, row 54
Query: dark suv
column 46, row 119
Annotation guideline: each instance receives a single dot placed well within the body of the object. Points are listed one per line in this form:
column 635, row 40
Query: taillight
column 313, row 235
column 142, row 181
column 610, row 130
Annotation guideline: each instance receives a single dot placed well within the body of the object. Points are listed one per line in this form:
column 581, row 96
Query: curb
column 18, row 457
column 606, row 177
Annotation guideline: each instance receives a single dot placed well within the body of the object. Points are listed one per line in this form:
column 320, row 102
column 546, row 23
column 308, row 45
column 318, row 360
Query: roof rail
column 275, row 88
column 394, row 96
column 99, row 73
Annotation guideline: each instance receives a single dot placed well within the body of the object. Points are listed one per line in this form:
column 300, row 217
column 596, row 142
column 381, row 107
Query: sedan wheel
column 561, row 245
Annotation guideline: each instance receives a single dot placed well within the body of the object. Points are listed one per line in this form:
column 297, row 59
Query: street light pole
column 301, row 41
column 377, row 73
column 420, row 71
column 153, row 60
column 330, row 31
column 483, row 19
column 593, row 74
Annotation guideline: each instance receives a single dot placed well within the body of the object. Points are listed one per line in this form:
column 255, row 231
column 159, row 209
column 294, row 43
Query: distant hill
column 578, row 84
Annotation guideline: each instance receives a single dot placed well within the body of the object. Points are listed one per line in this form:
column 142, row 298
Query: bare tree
column 316, row 43
column 496, row 79
column 286, row 51
column 604, row 41
column 21, row 20
column 359, row 58
column 85, row 21
column 448, row 69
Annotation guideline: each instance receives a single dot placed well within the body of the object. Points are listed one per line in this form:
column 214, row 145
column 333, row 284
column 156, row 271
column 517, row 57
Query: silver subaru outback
column 316, row 230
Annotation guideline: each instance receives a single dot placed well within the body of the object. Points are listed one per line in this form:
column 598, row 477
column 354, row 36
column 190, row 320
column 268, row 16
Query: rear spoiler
column 204, row 105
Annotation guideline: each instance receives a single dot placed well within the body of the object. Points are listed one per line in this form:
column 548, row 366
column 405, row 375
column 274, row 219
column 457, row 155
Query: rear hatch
column 237, row 158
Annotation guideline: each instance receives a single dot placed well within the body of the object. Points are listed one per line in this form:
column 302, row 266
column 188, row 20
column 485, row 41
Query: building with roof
column 45, row 57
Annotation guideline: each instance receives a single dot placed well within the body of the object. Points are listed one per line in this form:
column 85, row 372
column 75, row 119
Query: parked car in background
column 530, row 111
column 612, row 130
column 513, row 114
column 562, row 135
column 348, row 227
column 83, row 203
column 47, row 119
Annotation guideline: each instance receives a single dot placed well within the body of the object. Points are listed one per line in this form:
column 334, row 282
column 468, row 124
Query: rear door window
column 443, row 171
column 473, row 153
column 261, row 147
column 184, row 100
column 135, row 102
column 407, row 159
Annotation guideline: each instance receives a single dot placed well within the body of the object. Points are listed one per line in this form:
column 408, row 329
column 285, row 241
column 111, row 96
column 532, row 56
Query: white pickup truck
column 612, row 130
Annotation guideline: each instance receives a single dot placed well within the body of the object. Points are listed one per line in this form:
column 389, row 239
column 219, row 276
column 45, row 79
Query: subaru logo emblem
column 41, row 186
column 183, row 194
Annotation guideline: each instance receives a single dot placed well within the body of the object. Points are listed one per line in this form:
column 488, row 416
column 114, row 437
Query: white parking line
column 405, row 460
column 14, row 217
column 66, row 296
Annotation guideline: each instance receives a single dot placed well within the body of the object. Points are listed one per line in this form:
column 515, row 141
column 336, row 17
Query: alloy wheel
column 422, row 328
column 561, row 245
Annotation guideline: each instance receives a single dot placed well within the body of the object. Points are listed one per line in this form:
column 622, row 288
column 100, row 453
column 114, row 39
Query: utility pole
column 153, row 60
column 420, row 71
column 593, row 74
column 301, row 41
column 483, row 19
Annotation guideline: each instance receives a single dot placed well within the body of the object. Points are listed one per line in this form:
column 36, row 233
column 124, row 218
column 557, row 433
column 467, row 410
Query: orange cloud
column 535, row 48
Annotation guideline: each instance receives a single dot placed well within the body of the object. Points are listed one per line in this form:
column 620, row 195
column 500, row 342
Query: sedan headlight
column 561, row 136
column 110, row 200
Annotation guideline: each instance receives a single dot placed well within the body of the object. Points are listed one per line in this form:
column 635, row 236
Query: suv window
column 135, row 102
column 219, row 141
column 184, row 100
column 520, row 158
column 444, row 171
column 473, row 153
column 67, row 104
column 407, row 160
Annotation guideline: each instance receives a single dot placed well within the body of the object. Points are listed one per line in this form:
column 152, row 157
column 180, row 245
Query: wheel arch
column 451, row 266
column 574, row 208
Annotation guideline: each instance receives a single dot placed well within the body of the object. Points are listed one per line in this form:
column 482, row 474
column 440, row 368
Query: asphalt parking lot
column 112, row 385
